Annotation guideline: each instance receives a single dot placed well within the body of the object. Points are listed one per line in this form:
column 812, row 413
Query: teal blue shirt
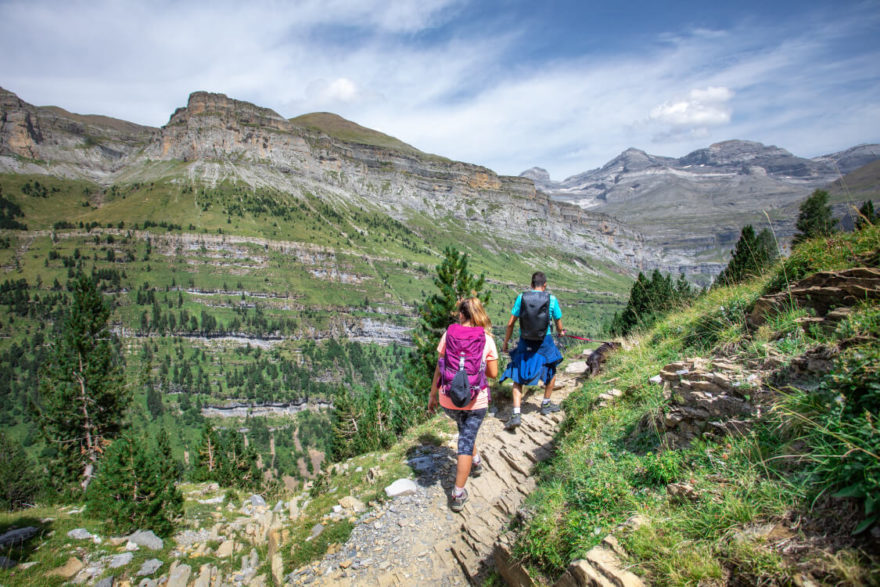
column 555, row 310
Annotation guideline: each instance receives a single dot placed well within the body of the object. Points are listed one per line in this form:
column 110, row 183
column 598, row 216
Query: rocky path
column 416, row 539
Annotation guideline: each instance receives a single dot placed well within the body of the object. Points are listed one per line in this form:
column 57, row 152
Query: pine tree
column 815, row 218
column 751, row 256
column 455, row 282
column 20, row 481
column 209, row 455
column 346, row 427
column 82, row 401
column 239, row 464
column 135, row 488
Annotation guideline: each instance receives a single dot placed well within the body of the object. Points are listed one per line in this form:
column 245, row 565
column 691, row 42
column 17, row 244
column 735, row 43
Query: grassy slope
column 605, row 472
column 351, row 132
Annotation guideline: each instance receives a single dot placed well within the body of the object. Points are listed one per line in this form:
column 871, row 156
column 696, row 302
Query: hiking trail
column 416, row 539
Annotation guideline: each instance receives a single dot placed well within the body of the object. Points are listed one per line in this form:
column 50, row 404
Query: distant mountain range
column 638, row 211
column 697, row 204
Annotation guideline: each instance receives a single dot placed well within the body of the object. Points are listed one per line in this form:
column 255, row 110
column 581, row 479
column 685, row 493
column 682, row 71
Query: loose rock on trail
column 416, row 539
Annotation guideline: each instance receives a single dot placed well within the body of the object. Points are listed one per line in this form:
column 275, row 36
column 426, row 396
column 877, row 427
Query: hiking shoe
column 457, row 503
column 515, row 420
column 549, row 408
column 477, row 469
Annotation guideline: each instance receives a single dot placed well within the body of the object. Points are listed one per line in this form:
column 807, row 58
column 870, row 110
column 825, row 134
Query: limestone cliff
column 222, row 139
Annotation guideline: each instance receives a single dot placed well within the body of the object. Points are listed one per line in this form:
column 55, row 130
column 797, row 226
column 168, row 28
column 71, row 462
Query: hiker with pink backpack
column 467, row 357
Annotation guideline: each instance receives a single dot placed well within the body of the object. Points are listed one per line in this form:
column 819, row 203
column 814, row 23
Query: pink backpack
column 462, row 369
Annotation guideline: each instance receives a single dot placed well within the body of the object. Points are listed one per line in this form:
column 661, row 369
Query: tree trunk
column 91, row 451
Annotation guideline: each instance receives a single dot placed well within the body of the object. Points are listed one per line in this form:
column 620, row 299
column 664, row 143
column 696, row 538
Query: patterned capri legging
column 469, row 422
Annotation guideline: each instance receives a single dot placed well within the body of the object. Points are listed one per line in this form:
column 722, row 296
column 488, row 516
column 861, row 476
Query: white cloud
column 341, row 89
column 701, row 108
column 458, row 95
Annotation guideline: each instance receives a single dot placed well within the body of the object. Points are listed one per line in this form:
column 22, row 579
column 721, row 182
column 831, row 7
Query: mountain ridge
column 695, row 205
column 218, row 139
column 638, row 210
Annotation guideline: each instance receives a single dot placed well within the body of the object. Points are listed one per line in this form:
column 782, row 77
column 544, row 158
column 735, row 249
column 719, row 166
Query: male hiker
column 535, row 357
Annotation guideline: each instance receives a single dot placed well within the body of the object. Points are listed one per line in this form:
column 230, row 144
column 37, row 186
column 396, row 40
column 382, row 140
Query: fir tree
column 82, row 401
column 135, row 488
column 239, row 464
column 815, row 218
column 346, row 428
column 751, row 256
column 208, row 457
column 454, row 282
column 648, row 299
column 20, row 481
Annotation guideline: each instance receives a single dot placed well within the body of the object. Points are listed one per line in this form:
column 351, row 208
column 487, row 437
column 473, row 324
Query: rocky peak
column 537, row 174
column 209, row 104
column 734, row 153
column 852, row 158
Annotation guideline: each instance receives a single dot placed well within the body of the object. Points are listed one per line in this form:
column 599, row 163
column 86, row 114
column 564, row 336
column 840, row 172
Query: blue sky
column 562, row 85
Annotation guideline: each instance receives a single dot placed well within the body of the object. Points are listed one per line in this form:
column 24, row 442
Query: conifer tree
column 815, row 218
column 20, row 481
column 135, row 488
column 239, row 464
column 454, row 281
column 208, row 457
column 751, row 256
column 345, row 422
column 648, row 299
column 83, row 400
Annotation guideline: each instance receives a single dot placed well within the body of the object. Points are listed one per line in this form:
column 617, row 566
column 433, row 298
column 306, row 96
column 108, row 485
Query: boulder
column 120, row 560
column 277, row 568
column 207, row 576
column 79, row 534
column 68, row 569
column 225, row 549
column 17, row 536
column 352, row 503
column 149, row 567
column 401, row 487
column 576, row 368
column 178, row 576
column 147, row 539
column 316, row 531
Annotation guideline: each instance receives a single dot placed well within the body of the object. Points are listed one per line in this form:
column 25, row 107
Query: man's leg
column 548, row 389
column 548, row 407
column 516, row 418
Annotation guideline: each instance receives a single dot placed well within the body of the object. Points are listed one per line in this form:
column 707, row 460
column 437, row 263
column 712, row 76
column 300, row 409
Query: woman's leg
column 463, row 470
column 468, row 425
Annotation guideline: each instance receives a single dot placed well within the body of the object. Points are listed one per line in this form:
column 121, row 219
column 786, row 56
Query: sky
column 562, row 85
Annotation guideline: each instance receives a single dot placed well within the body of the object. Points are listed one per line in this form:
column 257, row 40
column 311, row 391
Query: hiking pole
column 585, row 339
column 580, row 337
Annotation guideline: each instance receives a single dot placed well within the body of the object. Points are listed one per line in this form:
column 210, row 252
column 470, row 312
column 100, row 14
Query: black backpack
column 534, row 315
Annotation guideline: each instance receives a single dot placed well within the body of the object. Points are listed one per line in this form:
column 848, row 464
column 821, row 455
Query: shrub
column 838, row 422
column 135, row 487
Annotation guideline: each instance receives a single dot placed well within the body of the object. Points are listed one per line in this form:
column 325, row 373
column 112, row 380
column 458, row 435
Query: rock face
column 705, row 399
column 61, row 143
column 822, row 292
